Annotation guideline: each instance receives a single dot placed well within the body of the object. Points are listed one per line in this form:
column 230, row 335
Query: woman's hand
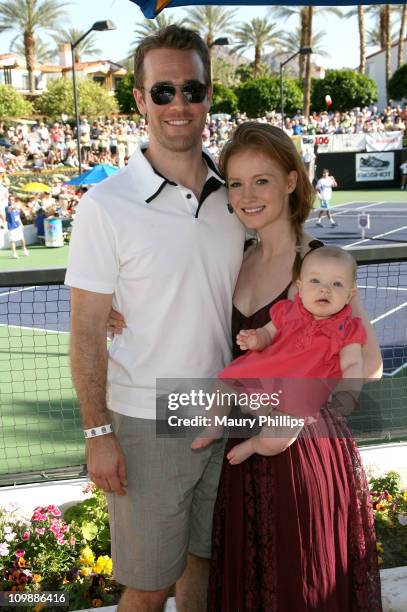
column 115, row 323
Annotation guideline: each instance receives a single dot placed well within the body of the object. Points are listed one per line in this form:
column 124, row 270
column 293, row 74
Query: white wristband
column 98, row 431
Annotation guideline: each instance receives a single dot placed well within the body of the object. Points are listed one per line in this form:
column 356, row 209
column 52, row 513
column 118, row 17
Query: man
column 157, row 241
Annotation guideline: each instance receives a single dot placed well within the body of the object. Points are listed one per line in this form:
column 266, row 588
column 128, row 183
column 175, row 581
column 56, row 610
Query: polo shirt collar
column 150, row 182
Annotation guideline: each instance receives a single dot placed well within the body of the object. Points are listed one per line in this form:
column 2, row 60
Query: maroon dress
column 295, row 532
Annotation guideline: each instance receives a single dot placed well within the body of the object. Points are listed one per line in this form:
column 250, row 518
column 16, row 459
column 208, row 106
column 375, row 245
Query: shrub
column 224, row 100
column 93, row 99
column 397, row 88
column 347, row 89
column 124, row 94
column 258, row 96
column 13, row 104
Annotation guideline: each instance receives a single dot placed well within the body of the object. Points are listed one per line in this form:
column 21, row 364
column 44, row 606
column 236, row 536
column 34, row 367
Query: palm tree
column 402, row 33
column 385, row 18
column 285, row 12
column 360, row 11
column 307, row 15
column 150, row 26
column 362, row 38
column 43, row 52
column 292, row 42
column 26, row 17
column 86, row 47
column 382, row 34
column 374, row 38
column 258, row 33
column 210, row 22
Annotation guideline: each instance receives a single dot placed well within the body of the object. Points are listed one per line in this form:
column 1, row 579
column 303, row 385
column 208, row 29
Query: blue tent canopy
column 94, row 175
column 151, row 8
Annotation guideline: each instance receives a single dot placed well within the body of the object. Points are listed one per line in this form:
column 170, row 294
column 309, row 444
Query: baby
column 314, row 336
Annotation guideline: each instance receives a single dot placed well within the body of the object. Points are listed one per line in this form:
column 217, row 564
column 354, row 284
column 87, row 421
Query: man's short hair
column 171, row 37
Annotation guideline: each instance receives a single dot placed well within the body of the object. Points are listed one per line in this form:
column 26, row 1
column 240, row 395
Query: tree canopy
column 347, row 89
column 12, row 103
column 93, row 99
column 398, row 84
column 258, row 96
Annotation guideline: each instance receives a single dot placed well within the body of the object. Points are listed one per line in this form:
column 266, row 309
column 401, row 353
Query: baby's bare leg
column 214, row 431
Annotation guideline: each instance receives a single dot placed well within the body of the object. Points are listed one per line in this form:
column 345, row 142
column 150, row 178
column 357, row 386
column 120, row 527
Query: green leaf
column 89, row 530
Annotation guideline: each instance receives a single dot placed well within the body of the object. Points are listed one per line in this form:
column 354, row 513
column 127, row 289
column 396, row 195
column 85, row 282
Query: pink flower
column 61, row 540
column 26, row 535
column 54, row 510
column 40, row 530
column 20, row 553
column 89, row 488
column 72, row 541
column 39, row 509
column 38, row 516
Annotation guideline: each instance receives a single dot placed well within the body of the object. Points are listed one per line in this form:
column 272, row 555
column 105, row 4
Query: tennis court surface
column 40, row 430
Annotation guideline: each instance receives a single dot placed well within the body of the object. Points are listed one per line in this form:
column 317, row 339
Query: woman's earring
column 230, row 208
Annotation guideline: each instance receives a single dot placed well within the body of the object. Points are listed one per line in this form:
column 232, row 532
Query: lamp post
column 98, row 26
column 218, row 42
column 302, row 51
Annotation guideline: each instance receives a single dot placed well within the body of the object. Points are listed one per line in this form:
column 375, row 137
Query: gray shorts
column 167, row 511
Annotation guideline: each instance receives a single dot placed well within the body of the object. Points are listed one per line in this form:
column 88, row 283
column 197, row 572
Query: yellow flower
column 103, row 565
column 380, row 506
column 39, row 606
column 85, row 571
column 389, row 497
column 379, row 547
column 37, row 578
column 21, row 562
column 405, row 495
column 87, row 557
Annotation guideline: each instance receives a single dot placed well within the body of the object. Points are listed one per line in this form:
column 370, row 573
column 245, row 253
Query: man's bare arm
column 89, row 315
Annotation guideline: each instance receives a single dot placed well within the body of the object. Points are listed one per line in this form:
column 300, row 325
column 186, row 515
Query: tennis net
column 41, row 434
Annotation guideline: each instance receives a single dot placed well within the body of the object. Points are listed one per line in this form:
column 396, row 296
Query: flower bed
column 390, row 511
column 51, row 552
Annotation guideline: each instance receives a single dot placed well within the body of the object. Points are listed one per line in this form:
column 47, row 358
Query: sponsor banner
column 323, row 141
column 335, row 143
column 348, row 142
column 374, row 167
column 385, row 141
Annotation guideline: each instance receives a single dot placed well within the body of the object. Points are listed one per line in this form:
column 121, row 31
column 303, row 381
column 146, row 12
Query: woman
column 293, row 532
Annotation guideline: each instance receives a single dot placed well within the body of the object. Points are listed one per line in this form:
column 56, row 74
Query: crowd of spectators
column 38, row 146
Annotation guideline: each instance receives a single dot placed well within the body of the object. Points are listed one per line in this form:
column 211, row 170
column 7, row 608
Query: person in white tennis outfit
column 324, row 189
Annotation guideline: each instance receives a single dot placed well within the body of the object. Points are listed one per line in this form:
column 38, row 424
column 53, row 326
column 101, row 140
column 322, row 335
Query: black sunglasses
column 194, row 92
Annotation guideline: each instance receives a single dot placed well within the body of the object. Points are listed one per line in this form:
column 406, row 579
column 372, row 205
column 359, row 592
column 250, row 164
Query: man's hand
column 106, row 464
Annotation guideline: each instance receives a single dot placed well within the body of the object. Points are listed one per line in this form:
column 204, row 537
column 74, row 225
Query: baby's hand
column 247, row 339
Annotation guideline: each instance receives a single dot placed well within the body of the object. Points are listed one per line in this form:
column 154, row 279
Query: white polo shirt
column 171, row 263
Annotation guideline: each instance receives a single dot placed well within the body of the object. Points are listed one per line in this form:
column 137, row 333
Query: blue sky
column 341, row 41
